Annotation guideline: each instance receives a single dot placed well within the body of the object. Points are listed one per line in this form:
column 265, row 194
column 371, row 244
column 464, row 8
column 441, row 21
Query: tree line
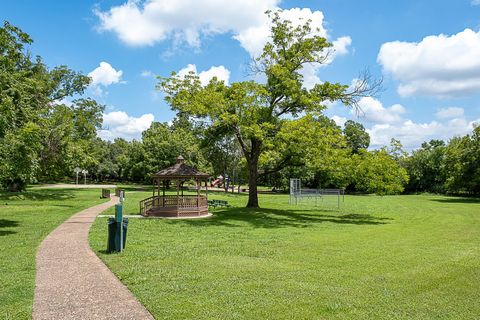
column 40, row 133
column 257, row 133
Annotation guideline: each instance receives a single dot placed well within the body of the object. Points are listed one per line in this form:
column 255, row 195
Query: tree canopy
column 255, row 112
column 37, row 127
column 356, row 136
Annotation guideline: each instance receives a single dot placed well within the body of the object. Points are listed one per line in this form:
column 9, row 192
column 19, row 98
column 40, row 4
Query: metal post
column 119, row 221
column 77, row 170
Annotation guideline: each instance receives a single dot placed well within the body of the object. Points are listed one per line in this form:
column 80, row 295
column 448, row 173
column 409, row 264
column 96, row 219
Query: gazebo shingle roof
column 180, row 170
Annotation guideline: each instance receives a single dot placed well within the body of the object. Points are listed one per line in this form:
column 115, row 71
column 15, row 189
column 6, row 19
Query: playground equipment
column 227, row 183
column 297, row 194
column 218, row 181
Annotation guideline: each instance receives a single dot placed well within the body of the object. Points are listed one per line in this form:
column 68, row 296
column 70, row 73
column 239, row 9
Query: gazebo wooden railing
column 186, row 202
column 179, row 205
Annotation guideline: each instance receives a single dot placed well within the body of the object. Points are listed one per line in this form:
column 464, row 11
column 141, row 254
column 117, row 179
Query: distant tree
column 136, row 168
column 316, row 145
column 253, row 111
column 18, row 157
column 462, row 163
column 223, row 152
column 356, row 136
column 378, row 172
column 163, row 144
column 65, row 127
column 29, row 97
column 396, row 151
column 426, row 167
column 119, row 155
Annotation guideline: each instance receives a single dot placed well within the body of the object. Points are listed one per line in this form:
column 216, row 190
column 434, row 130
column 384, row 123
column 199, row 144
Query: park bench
column 218, row 203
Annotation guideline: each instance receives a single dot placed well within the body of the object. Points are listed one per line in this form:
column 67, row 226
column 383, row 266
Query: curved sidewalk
column 73, row 283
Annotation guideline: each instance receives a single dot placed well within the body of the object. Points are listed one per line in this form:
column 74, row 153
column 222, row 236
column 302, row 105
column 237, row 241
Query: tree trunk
column 252, row 161
column 16, row 186
column 252, row 186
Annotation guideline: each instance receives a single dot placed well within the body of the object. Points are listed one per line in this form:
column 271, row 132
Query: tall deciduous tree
column 426, row 167
column 253, row 111
column 462, row 163
column 378, row 172
column 356, row 136
column 30, row 94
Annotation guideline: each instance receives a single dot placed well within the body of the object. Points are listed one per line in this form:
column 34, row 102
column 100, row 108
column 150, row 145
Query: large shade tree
column 36, row 125
column 253, row 111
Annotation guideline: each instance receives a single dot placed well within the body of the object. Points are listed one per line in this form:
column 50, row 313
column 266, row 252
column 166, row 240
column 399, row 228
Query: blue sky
column 426, row 51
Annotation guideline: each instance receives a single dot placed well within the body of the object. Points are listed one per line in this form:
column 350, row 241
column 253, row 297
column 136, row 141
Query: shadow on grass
column 40, row 195
column 275, row 218
column 457, row 200
column 4, row 223
column 135, row 188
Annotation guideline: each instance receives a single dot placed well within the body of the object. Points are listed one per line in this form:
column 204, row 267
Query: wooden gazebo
column 176, row 205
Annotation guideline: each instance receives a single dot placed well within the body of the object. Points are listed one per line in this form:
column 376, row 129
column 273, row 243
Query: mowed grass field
column 25, row 220
column 393, row 257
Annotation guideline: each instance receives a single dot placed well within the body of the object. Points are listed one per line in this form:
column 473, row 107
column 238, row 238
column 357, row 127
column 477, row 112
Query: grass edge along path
column 26, row 218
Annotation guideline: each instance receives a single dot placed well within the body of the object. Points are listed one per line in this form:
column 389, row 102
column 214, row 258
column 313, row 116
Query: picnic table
column 218, row 203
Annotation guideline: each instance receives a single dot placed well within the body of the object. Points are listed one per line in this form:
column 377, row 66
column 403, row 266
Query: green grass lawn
column 25, row 220
column 395, row 257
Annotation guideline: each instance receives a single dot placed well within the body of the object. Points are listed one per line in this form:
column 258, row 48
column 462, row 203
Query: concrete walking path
column 73, row 283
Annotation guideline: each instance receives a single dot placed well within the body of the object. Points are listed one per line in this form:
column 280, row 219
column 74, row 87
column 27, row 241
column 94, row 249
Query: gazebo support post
column 199, row 185
column 178, row 195
column 163, row 192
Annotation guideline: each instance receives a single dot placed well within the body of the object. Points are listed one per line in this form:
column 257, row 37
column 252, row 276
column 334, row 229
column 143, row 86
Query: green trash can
column 112, row 229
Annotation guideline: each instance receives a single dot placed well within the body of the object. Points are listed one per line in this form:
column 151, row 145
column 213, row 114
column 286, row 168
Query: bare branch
column 364, row 86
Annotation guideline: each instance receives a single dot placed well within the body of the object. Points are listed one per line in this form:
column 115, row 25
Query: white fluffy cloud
column 139, row 24
column 105, row 75
column 145, row 23
column 475, row 2
column 450, row 112
column 340, row 45
column 412, row 134
column 437, row 66
column 372, row 110
column 186, row 21
column 383, row 124
column 147, row 74
column 119, row 124
column 220, row 72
